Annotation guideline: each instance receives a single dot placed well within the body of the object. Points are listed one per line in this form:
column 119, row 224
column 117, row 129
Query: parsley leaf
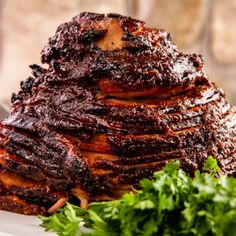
column 172, row 203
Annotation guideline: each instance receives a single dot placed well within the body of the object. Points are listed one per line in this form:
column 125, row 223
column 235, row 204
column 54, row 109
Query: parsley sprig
column 172, row 203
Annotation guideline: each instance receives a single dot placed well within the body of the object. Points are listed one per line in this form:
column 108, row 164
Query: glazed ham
column 116, row 102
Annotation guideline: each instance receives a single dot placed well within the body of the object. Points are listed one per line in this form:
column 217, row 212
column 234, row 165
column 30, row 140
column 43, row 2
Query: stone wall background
column 202, row 26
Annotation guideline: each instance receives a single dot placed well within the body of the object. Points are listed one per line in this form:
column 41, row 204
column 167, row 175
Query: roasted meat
column 115, row 103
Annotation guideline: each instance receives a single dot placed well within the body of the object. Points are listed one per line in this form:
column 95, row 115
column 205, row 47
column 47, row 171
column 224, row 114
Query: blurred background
column 202, row 26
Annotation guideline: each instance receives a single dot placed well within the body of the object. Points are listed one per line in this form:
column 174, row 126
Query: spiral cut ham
column 114, row 104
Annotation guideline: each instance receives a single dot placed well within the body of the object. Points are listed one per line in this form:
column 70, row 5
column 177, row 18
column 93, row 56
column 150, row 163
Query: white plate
column 12, row 224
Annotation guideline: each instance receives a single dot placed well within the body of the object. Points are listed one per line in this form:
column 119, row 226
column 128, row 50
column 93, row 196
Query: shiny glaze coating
column 116, row 103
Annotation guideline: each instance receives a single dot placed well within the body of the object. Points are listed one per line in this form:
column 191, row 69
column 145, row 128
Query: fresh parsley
column 172, row 203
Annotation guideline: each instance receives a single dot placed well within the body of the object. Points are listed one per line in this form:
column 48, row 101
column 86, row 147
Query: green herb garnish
column 172, row 203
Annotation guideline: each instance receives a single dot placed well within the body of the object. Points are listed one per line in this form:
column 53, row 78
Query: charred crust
column 91, row 35
column 27, row 84
column 37, row 70
column 90, row 15
column 14, row 204
column 102, row 117
column 14, row 97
